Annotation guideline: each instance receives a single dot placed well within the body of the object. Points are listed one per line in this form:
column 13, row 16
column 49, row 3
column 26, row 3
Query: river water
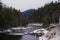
column 17, row 37
column 33, row 37
column 28, row 37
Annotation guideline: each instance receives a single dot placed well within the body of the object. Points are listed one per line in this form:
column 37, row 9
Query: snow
column 53, row 34
column 40, row 30
column 18, row 28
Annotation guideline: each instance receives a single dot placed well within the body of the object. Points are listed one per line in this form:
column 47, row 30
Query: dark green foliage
column 0, row 6
column 50, row 13
column 9, row 17
column 46, row 23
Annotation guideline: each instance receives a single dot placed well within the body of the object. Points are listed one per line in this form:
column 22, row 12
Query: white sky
column 26, row 4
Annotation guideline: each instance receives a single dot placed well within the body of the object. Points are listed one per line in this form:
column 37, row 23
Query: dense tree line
column 50, row 13
column 9, row 17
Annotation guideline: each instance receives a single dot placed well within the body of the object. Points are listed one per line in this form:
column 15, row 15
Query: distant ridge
column 27, row 12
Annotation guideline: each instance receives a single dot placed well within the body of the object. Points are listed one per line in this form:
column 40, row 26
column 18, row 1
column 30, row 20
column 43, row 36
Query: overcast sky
column 26, row 4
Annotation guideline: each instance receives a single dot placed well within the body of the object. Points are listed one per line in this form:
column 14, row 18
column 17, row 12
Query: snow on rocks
column 52, row 34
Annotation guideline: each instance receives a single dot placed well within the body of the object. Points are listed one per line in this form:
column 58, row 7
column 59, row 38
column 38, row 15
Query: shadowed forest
column 11, row 17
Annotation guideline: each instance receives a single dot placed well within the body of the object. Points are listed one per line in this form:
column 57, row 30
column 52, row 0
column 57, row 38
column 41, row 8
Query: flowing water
column 28, row 37
column 16, row 37
column 53, row 34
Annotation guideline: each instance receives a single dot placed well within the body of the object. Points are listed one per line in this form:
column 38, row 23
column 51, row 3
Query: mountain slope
column 27, row 12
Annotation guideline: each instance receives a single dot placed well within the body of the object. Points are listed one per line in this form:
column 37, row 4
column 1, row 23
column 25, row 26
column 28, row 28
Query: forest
column 11, row 17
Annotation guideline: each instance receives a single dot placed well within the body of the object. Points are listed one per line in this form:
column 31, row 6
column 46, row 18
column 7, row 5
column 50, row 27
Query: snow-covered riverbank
column 52, row 34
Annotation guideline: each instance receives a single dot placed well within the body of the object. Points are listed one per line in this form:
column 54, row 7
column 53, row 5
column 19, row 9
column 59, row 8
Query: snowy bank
column 53, row 34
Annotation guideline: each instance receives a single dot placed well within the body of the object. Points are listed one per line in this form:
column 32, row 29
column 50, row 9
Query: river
column 16, row 37
column 53, row 34
column 28, row 37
